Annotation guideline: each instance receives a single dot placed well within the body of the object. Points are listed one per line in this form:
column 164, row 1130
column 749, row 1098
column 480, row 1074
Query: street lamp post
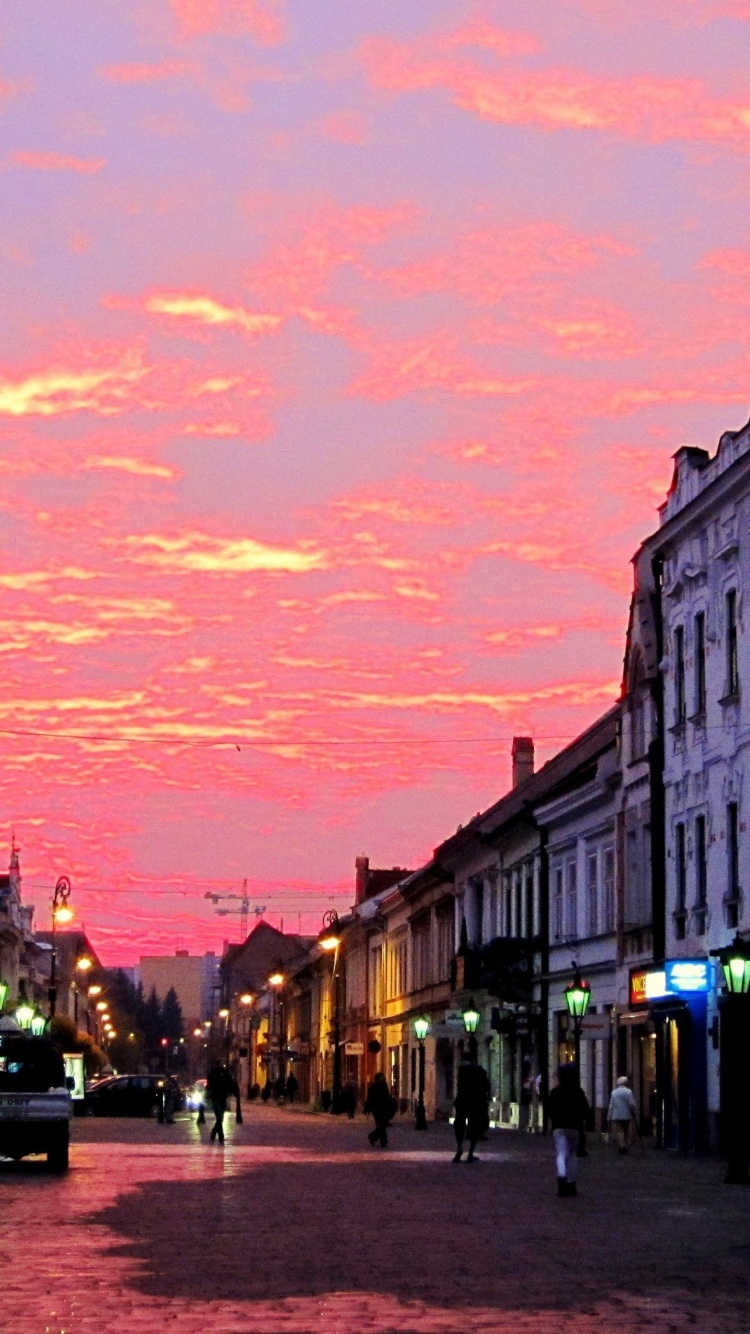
column 276, row 981
column 735, row 1044
column 61, row 912
column 330, row 940
column 577, row 997
column 421, row 1029
column 471, row 1018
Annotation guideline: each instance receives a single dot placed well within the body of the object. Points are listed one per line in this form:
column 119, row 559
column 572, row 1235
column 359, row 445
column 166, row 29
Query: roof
column 566, row 769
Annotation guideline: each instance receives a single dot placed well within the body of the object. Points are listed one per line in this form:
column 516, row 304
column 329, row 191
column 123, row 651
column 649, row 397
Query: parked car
column 132, row 1095
column 35, row 1103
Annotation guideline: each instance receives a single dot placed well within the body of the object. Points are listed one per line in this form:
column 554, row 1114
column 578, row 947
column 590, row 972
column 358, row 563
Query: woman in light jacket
column 622, row 1110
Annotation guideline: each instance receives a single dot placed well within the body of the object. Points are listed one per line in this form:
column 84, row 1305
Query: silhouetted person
column 349, row 1099
column 379, row 1105
column 290, row 1088
column 472, row 1105
column 219, row 1087
column 622, row 1110
column 567, row 1109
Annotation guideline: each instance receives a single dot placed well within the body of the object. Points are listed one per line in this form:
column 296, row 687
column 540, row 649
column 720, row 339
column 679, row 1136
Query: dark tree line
column 141, row 1022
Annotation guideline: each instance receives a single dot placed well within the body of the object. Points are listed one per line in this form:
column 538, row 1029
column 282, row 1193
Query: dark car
column 132, row 1095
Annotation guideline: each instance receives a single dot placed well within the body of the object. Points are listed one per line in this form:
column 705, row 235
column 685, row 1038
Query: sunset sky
column 345, row 347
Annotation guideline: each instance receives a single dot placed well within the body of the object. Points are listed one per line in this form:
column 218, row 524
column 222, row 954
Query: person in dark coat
column 567, row 1110
column 379, row 1105
column 219, row 1087
column 473, row 1095
column 290, row 1088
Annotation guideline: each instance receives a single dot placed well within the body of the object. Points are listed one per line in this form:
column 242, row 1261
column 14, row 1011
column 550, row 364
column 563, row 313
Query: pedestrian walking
column 567, row 1110
column 381, row 1107
column 349, row 1099
column 290, row 1088
column 472, row 1105
column 622, row 1110
column 219, row 1087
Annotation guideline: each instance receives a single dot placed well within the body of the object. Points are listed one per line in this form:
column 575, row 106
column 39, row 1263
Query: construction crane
column 242, row 912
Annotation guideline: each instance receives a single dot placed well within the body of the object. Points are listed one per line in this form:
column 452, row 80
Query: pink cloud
column 345, row 127
column 642, row 107
column 49, row 161
column 262, row 19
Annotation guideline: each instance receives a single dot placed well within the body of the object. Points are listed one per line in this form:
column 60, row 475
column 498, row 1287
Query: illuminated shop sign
column 678, row 977
column 688, row 975
column 647, row 985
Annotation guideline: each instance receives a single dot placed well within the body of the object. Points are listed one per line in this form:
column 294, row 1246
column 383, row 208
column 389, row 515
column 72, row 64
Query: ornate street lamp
column 276, row 980
column 330, row 941
column 61, row 913
column 471, row 1017
column 735, row 1050
column 421, row 1027
column 24, row 1014
column 735, row 965
column 577, row 997
column 38, row 1024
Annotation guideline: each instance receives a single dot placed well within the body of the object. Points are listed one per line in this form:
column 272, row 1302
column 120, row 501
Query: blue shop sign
column 687, row 975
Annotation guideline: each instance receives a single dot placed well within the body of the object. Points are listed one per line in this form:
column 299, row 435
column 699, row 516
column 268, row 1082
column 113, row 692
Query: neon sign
column 688, row 975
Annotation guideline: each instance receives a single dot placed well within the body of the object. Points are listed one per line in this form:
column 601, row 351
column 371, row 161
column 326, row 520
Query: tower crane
column 242, row 911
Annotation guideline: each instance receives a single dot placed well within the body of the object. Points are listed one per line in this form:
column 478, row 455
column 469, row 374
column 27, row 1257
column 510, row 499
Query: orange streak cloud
column 48, row 161
column 206, row 310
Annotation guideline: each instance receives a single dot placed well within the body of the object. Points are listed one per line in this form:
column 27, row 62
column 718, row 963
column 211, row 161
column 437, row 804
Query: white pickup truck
column 35, row 1103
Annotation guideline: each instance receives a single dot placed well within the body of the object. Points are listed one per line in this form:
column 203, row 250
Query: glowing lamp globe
column 246, row 998
column 577, row 997
column 3, row 993
column 24, row 1015
column 471, row 1017
column 223, row 1014
column 38, row 1025
column 63, row 914
column 421, row 1027
column 735, row 965
column 84, row 963
column 276, row 979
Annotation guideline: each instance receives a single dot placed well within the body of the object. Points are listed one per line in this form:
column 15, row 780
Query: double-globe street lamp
column 735, row 1058
column 421, row 1029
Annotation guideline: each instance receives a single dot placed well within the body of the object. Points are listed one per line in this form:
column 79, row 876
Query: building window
column 557, row 903
column 680, row 881
column 592, row 893
column 733, row 865
column 420, row 952
column 518, row 924
column 376, row 979
column 508, row 913
column 733, row 674
column 699, row 662
column 701, row 875
column 446, row 928
column 608, row 888
column 397, row 967
column 571, row 900
column 529, row 899
column 680, row 711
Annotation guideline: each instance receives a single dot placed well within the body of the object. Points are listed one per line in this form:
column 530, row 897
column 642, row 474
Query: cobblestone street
column 297, row 1226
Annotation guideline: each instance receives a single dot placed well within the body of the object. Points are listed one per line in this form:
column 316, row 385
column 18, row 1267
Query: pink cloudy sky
column 345, row 347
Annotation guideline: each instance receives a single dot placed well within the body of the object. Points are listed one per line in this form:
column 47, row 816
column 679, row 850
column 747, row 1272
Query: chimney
column 523, row 759
column 361, row 878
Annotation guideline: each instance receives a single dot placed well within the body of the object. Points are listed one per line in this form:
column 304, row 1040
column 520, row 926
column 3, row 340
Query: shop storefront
column 662, row 1047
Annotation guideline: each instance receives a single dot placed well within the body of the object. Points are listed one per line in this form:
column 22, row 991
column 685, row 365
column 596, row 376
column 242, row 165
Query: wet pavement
column 297, row 1226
